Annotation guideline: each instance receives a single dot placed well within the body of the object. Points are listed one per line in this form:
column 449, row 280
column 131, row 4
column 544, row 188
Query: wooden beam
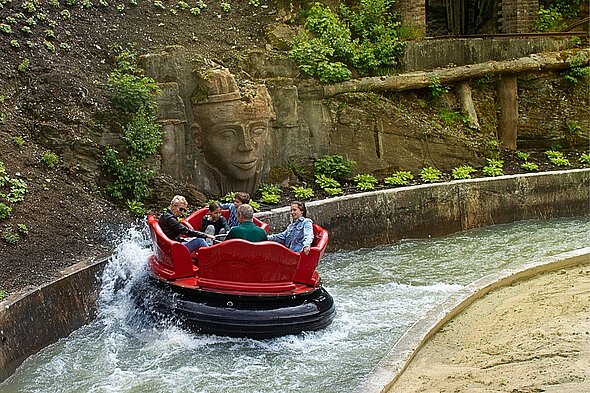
column 422, row 79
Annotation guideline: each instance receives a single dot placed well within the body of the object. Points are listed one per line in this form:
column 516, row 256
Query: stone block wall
column 413, row 14
column 518, row 16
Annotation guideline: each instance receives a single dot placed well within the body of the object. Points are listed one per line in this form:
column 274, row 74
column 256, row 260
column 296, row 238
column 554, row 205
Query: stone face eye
column 226, row 133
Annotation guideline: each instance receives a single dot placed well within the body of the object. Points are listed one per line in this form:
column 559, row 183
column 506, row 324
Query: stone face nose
column 245, row 140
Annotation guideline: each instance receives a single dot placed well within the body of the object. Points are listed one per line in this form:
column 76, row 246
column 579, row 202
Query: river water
column 379, row 293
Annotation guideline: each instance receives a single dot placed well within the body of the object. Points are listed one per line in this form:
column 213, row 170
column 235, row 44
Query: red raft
column 237, row 288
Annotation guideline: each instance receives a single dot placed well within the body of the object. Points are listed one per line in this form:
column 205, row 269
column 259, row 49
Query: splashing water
column 378, row 293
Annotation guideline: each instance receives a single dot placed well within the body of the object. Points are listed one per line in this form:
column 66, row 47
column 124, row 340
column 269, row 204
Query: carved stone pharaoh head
column 231, row 130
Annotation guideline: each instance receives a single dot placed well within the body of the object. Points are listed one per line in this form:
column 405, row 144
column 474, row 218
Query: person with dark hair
column 247, row 230
column 299, row 234
column 172, row 228
column 240, row 198
column 214, row 223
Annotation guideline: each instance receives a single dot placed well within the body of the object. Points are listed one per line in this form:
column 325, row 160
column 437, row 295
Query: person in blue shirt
column 239, row 199
column 299, row 234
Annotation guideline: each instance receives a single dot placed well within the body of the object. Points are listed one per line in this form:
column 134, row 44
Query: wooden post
column 466, row 101
column 508, row 120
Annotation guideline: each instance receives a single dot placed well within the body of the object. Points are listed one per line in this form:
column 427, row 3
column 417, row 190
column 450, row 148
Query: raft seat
column 239, row 265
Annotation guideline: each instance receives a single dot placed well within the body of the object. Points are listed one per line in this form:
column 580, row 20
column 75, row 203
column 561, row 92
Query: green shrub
column 9, row 236
column 132, row 93
column 578, row 71
column 229, row 197
column 326, row 182
column 365, row 182
column 333, row 191
column 255, row 205
column 143, row 136
column 5, row 211
column 493, row 168
column 136, row 208
column 131, row 179
column 3, row 294
column 334, row 166
column 22, row 229
column 523, row 156
column 430, row 174
column 18, row 140
column 436, row 88
column 270, row 198
column 401, row 178
column 271, row 194
column 585, row 158
column 302, row 192
column 463, row 172
column 50, row 159
column 529, row 166
column 24, row 65
column 363, row 36
column 18, row 189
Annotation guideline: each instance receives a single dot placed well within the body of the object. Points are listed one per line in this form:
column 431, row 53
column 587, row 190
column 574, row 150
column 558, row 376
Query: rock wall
column 210, row 116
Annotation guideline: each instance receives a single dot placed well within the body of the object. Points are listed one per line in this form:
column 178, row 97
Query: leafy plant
column 302, row 192
column 585, row 158
column 50, row 159
column 3, row 294
column 333, row 191
column 270, row 198
column 363, row 36
column 18, row 140
column 437, row 89
column 463, row 172
column 400, row 178
column 493, row 168
column 365, row 182
column 136, row 208
column 430, row 174
column 334, row 166
column 131, row 179
column 5, row 211
column 22, row 229
column 529, row 166
column 270, row 193
column 225, row 7
column 255, row 205
column 229, row 197
column 18, row 189
column 9, row 236
column 578, row 71
column 24, row 65
column 326, row 182
column 523, row 156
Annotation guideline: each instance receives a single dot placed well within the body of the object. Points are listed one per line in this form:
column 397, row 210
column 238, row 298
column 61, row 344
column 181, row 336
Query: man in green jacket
column 247, row 230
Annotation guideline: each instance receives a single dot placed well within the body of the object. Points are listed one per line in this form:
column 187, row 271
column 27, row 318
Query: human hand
column 306, row 250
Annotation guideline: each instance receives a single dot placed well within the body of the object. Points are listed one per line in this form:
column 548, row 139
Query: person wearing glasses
column 172, row 228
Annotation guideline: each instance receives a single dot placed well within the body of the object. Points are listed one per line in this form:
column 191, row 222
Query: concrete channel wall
column 37, row 318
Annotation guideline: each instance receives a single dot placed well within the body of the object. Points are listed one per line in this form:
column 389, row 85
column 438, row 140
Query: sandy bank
column 533, row 336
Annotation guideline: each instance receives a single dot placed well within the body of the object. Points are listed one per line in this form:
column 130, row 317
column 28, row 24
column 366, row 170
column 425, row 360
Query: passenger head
column 246, row 212
column 178, row 205
column 215, row 210
column 241, row 198
column 298, row 209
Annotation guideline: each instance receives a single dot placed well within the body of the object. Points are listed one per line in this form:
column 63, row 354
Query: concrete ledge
column 32, row 320
column 399, row 357
column 439, row 209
